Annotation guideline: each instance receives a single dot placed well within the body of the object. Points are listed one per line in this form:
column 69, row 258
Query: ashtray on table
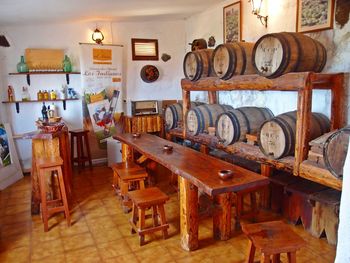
column 136, row 135
column 168, row 148
column 225, row 174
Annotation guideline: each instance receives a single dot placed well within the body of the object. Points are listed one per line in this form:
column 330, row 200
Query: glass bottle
column 22, row 66
column 67, row 65
column 25, row 94
column 40, row 95
column 53, row 95
column 46, row 95
column 10, row 93
column 44, row 112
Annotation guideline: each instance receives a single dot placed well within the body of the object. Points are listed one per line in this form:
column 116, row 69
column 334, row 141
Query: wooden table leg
column 222, row 216
column 251, row 252
column 188, row 214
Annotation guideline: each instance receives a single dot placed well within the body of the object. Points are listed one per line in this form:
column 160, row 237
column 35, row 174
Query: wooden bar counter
column 46, row 145
column 196, row 171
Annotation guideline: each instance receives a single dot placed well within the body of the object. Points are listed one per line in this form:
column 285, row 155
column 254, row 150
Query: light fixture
column 256, row 5
column 97, row 36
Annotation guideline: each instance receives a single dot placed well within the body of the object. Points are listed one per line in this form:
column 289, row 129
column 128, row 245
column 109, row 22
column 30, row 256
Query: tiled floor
column 101, row 233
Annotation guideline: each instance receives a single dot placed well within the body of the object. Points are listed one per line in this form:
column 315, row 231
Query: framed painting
column 314, row 15
column 232, row 22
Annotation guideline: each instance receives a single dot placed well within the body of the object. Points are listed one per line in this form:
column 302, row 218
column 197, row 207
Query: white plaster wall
column 282, row 17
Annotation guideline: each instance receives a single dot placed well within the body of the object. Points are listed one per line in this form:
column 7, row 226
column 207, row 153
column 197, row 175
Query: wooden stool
column 142, row 200
column 81, row 158
column 122, row 166
column 49, row 165
column 272, row 239
column 130, row 180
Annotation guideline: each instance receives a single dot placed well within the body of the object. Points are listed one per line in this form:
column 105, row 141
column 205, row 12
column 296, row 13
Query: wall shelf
column 46, row 73
column 17, row 102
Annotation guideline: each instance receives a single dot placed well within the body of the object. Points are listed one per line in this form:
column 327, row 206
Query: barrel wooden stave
column 280, row 53
column 201, row 117
column 173, row 114
column 233, row 59
column 277, row 136
column 197, row 64
column 232, row 126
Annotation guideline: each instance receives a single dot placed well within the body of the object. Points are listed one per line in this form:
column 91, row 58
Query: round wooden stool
column 272, row 239
column 50, row 207
column 142, row 200
column 80, row 135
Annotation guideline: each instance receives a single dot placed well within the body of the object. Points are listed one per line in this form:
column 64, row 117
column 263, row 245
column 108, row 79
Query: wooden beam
column 186, row 105
column 212, row 97
column 222, row 216
column 338, row 105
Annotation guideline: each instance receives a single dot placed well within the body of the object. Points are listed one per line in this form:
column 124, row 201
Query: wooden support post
column 188, row 214
column 212, row 97
column 303, row 125
column 127, row 153
column 186, row 104
column 266, row 170
column 204, row 149
column 222, row 216
column 338, row 102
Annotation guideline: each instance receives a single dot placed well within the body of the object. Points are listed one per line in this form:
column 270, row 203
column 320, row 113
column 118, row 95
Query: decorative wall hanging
column 165, row 57
column 314, row 15
column 211, row 41
column 149, row 73
column 232, row 22
column 39, row 59
column 144, row 49
column 197, row 44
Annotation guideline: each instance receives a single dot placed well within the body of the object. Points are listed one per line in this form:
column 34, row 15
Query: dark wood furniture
column 49, row 167
column 272, row 239
column 118, row 167
column 143, row 200
column 146, row 123
column 81, row 138
column 196, row 171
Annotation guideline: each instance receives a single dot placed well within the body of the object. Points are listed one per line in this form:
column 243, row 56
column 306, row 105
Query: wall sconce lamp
column 256, row 5
column 97, row 36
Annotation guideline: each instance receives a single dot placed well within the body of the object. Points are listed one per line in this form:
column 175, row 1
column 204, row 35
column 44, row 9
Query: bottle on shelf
column 40, row 95
column 10, row 93
column 67, row 65
column 25, row 94
column 44, row 112
column 53, row 95
column 22, row 66
column 46, row 95
column 52, row 110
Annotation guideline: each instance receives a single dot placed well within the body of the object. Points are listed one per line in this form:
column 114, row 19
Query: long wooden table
column 196, row 171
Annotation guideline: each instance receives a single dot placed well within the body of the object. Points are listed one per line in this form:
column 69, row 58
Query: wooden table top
column 199, row 168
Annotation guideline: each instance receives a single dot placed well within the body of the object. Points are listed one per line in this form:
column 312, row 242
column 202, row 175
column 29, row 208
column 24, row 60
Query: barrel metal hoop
column 200, row 118
column 287, row 128
column 245, row 118
column 244, row 62
column 300, row 51
column 209, row 115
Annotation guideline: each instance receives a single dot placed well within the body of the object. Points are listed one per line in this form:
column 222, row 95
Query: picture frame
column 314, row 15
column 144, row 49
column 232, row 22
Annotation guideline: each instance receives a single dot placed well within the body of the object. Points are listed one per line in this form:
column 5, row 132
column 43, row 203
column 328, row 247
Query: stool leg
column 79, row 142
column 63, row 195
column 292, row 257
column 142, row 184
column 44, row 212
column 163, row 220
column 142, row 225
column 276, row 258
column 239, row 207
column 265, row 258
column 86, row 139
column 155, row 215
column 251, row 252
column 82, row 154
column 134, row 218
column 253, row 204
column 72, row 148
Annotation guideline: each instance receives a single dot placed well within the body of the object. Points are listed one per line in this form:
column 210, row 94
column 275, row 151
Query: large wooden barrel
column 233, row 59
column 173, row 114
column 334, row 151
column 277, row 136
column 279, row 53
column 201, row 117
column 197, row 64
column 232, row 126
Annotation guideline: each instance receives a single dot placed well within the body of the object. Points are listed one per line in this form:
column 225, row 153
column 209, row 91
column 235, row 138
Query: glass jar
column 67, row 65
column 22, row 66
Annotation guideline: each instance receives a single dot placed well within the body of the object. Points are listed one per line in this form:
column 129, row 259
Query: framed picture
column 314, row 15
column 232, row 23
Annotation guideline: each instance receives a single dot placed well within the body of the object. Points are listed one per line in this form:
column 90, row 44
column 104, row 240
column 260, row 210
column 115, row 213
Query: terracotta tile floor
column 101, row 233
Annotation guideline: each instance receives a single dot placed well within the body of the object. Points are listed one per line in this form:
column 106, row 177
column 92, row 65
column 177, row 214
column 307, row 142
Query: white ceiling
column 17, row 12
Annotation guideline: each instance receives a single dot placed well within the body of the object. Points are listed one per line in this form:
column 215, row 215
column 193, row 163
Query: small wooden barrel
column 173, row 114
column 334, row 151
column 201, row 117
column 277, row 136
column 279, row 53
column 233, row 59
column 197, row 64
column 232, row 126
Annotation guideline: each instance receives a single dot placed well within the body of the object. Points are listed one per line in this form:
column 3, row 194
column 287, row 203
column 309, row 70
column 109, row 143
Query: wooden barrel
column 232, row 126
column 233, row 59
column 173, row 114
column 201, row 117
column 277, row 136
column 197, row 64
column 279, row 53
column 334, row 151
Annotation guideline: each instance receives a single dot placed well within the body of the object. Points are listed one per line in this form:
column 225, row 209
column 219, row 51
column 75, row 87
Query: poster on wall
column 232, row 22
column 101, row 71
column 5, row 157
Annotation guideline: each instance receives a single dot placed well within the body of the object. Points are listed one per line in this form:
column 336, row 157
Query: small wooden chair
column 120, row 167
column 50, row 165
column 142, row 200
column 81, row 158
column 272, row 239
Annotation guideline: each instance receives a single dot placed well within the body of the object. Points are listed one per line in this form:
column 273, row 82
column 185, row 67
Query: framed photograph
column 232, row 22
column 314, row 15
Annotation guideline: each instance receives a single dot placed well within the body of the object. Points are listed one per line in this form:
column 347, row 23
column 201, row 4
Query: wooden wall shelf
column 17, row 102
column 303, row 83
column 46, row 73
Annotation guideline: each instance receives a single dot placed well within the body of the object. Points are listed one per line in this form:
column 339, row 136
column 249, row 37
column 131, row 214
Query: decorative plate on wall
column 149, row 73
